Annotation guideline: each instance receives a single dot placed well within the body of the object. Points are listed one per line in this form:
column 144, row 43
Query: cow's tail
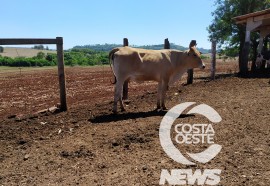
column 111, row 59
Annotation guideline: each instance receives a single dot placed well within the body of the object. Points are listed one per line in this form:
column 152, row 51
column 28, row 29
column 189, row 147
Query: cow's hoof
column 158, row 110
column 164, row 108
column 114, row 111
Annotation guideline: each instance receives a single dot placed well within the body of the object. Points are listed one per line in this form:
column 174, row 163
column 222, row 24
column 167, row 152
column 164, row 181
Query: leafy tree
column 39, row 47
column 68, row 59
column 51, row 57
column 5, row 61
column 41, row 55
column 229, row 36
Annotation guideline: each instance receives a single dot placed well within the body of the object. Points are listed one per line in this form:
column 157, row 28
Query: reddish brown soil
column 88, row 145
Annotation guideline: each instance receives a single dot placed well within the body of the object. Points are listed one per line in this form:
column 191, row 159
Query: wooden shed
column 255, row 22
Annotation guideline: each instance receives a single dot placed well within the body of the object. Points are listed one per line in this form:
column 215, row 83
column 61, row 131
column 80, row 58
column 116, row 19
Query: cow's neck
column 183, row 63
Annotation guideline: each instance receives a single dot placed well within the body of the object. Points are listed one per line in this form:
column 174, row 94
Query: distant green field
column 23, row 52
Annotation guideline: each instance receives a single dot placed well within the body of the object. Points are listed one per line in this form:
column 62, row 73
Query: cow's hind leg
column 163, row 94
column 118, row 90
column 121, row 99
column 115, row 99
column 159, row 96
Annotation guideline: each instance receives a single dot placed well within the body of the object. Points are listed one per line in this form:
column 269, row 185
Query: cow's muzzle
column 203, row 66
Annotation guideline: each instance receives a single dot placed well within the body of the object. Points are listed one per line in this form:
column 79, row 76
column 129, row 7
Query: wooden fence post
column 167, row 44
column 213, row 60
column 61, row 73
column 125, row 86
column 125, row 42
column 190, row 76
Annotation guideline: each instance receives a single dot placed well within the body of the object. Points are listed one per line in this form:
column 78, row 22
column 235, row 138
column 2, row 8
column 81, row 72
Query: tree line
column 71, row 57
column 40, row 60
column 108, row 47
column 41, row 47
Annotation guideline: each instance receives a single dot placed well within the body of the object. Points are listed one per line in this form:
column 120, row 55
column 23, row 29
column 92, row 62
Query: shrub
column 40, row 55
column 72, row 57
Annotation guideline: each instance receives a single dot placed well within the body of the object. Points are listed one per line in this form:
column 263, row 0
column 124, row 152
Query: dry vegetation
column 22, row 52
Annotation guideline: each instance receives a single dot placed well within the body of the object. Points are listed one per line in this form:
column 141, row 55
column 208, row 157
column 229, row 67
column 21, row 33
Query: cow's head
column 194, row 56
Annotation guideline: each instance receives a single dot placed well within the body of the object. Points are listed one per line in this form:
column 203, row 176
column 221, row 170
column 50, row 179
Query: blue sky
column 108, row 21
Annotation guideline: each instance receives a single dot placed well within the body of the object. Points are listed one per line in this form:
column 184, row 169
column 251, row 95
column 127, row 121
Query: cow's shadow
column 129, row 115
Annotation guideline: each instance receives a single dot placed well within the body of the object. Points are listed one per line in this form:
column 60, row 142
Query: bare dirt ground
column 88, row 145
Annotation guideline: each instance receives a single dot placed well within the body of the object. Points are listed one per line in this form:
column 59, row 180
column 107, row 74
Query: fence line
column 60, row 56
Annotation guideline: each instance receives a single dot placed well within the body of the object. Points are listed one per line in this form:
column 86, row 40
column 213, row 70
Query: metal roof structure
column 255, row 22
column 260, row 19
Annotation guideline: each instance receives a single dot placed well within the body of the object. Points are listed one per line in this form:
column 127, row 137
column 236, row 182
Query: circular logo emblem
column 184, row 133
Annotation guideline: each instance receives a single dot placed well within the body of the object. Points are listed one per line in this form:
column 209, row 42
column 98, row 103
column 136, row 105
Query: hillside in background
column 79, row 55
column 107, row 47
column 30, row 52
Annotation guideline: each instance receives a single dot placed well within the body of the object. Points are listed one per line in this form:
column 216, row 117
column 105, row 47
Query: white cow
column 163, row 66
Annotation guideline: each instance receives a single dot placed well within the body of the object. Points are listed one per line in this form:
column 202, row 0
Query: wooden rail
column 29, row 41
